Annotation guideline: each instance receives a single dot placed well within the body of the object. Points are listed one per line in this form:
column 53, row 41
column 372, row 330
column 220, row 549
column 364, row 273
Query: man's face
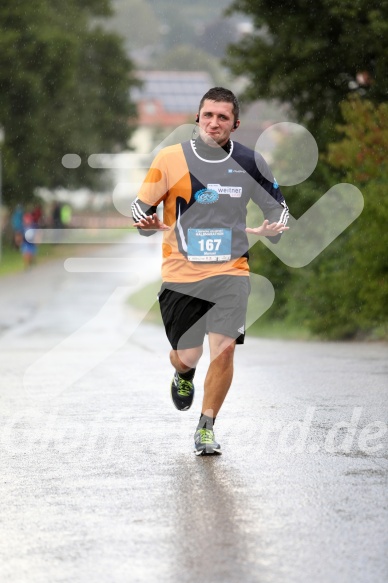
column 216, row 122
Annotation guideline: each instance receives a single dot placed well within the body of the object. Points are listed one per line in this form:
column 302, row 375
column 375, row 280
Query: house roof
column 176, row 91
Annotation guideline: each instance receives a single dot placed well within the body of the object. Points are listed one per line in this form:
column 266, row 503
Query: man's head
column 218, row 116
column 221, row 94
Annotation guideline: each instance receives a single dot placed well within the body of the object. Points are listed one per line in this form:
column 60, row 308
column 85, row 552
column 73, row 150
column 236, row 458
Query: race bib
column 209, row 245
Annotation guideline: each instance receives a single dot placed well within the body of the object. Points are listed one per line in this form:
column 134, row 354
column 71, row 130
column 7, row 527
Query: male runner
column 205, row 185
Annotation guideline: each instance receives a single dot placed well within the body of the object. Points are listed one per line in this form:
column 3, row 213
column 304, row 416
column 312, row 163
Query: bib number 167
column 209, row 244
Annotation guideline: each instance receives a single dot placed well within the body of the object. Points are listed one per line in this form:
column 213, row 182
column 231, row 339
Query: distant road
column 99, row 482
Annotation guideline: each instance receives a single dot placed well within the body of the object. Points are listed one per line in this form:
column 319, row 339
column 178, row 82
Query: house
column 169, row 98
column 165, row 101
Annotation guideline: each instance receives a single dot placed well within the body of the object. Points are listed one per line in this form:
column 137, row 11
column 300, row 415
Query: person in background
column 66, row 214
column 37, row 215
column 28, row 245
column 56, row 218
column 17, row 225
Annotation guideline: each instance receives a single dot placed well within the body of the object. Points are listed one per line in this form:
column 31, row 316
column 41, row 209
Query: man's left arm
column 270, row 199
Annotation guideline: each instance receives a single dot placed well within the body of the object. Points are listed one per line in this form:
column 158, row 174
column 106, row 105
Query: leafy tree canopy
column 64, row 88
column 311, row 53
column 346, row 292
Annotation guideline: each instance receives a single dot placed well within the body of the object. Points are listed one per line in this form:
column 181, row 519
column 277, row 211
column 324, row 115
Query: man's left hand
column 268, row 229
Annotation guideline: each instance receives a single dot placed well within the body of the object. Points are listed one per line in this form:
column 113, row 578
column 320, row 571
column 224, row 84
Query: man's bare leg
column 217, row 382
column 220, row 373
column 185, row 359
column 182, row 386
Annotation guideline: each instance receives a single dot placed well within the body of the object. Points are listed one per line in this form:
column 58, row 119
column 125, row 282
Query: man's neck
column 212, row 152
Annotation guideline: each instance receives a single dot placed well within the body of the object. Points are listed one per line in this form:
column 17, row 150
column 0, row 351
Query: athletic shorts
column 27, row 248
column 216, row 304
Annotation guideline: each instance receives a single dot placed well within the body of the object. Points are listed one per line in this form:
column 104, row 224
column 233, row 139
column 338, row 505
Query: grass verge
column 278, row 330
column 146, row 297
column 12, row 261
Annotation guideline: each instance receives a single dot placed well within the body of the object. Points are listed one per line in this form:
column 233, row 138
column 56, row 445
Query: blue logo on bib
column 206, row 196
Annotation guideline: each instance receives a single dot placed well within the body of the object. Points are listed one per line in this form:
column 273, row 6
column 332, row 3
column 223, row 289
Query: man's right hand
column 151, row 223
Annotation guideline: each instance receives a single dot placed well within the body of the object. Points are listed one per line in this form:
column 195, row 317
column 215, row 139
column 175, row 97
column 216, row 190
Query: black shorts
column 216, row 304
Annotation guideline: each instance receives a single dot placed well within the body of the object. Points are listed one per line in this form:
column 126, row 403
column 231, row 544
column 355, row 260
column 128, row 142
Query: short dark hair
column 222, row 94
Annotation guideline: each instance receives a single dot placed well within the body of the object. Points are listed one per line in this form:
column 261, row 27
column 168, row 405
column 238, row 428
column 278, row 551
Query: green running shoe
column 182, row 392
column 205, row 443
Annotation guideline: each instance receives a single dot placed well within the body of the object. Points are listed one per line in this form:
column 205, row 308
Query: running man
column 205, row 185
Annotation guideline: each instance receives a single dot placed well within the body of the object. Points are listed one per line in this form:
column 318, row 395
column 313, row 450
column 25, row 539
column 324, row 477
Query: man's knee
column 227, row 351
column 186, row 358
column 223, row 348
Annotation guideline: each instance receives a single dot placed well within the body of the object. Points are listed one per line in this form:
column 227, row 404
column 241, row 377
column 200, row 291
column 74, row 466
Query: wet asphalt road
column 99, row 482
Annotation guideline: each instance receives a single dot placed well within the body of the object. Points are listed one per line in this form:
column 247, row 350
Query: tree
column 189, row 58
column 64, row 88
column 311, row 53
column 346, row 291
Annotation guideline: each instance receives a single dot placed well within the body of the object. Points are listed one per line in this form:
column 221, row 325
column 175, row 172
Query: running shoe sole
column 204, row 452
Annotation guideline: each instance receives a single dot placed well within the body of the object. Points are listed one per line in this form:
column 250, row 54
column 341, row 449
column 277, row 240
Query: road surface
column 99, row 482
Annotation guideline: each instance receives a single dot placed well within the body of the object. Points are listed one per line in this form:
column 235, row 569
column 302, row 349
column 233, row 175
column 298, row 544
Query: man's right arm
column 140, row 212
column 146, row 219
column 154, row 190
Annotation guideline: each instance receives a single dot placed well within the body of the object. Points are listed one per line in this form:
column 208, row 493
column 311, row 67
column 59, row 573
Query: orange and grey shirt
column 205, row 192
